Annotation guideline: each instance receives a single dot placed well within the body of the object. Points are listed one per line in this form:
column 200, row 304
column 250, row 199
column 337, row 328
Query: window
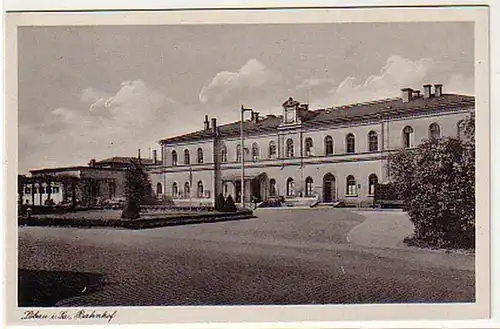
column 309, row 146
column 461, row 129
column 112, row 189
column 309, row 186
column 272, row 187
column 200, row 190
column 407, row 137
column 372, row 182
column 55, row 189
column 290, row 187
column 27, row 190
column 272, row 150
column 289, row 148
column 255, row 152
column 351, row 185
column 159, row 189
column 42, row 189
column 186, row 157
column 223, row 153
column 174, row 158
column 238, row 153
column 350, row 141
column 328, row 145
column 226, row 190
column 175, row 190
column 434, row 131
column 187, row 190
column 200, row 155
column 372, row 141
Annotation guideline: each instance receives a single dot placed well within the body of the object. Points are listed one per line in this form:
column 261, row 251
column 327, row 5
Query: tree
column 437, row 183
column 219, row 202
column 137, row 189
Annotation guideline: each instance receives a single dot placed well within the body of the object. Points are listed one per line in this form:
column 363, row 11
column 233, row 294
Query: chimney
column 407, row 94
column 438, row 90
column 427, row 91
column 92, row 163
column 416, row 94
column 304, row 107
column 138, row 153
column 255, row 117
column 155, row 159
column 207, row 123
column 214, row 125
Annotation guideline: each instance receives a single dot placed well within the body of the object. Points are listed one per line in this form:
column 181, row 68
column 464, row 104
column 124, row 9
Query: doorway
column 329, row 188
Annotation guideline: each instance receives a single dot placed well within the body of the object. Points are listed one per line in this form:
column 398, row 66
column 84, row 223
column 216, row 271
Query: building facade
column 305, row 155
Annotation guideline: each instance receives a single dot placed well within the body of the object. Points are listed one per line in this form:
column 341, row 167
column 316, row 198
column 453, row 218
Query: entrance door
column 329, row 188
column 256, row 189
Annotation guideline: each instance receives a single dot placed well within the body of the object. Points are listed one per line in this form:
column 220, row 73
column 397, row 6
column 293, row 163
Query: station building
column 305, row 155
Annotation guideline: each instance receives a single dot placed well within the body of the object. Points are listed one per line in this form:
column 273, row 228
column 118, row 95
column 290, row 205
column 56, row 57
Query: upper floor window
column 223, row 154
column 255, row 152
column 290, row 187
column 186, row 157
column 350, row 141
column 372, row 182
column 272, row 150
column 309, row 186
column 328, row 145
column 200, row 155
column 434, row 131
column 289, row 148
column 174, row 158
column 407, row 137
column 309, row 146
column 351, row 185
column 372, row 141
column 238, row 152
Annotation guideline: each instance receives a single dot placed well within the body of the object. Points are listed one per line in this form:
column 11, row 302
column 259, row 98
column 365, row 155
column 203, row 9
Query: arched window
column 372, row 182
column 328, row 145
column 309, row 186
column 434, row 131
column 350, row 142
column 238, row 153
column 372, row 141
column 159, row 189
column 223, row 153
column 200, row 155
column 289, row 148
column 309, row 146
column 186, row 157
column 272, row 187
column 290, row 186
column 174, row 158
column 255, row 152
column 351, row 185
column 187, row 190
column 407, row 137
column 461, row 129
column 272, row 150
column 175, row 190
column 199, row 191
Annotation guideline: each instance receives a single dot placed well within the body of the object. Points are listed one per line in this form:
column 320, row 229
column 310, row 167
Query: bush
column 219, row 202
column 229, row 205
column 137, row 189
column 437, row 183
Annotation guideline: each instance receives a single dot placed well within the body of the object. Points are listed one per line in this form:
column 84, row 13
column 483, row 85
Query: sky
column 103, row 91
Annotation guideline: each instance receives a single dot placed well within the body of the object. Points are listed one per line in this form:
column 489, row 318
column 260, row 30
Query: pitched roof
column 123, row 160
column 352, row 113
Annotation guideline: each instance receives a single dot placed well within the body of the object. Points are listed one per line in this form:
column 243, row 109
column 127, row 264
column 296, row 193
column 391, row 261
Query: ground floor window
column 372, row 182
column 187, row 190
column 200, row 190
column 159, row 189
column 309, row 186
column 175, row 190
column 290, row 186
column 272, row 187
column 351, row 185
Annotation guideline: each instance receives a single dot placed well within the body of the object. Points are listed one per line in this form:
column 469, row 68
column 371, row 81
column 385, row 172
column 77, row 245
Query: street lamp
column 242, row 154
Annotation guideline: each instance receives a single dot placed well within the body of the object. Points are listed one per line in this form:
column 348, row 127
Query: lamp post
column 242, row 154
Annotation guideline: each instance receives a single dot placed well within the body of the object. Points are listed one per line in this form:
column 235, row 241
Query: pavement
column 310, row 256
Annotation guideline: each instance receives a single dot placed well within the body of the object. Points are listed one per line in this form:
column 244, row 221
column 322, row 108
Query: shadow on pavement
column 45, row 288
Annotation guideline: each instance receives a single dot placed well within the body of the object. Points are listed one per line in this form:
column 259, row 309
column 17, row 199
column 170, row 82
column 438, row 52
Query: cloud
column 397, row 73
column 315, row 83
column 252, row 75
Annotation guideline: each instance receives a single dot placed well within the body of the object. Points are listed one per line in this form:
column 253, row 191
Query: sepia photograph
column 245, row 163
